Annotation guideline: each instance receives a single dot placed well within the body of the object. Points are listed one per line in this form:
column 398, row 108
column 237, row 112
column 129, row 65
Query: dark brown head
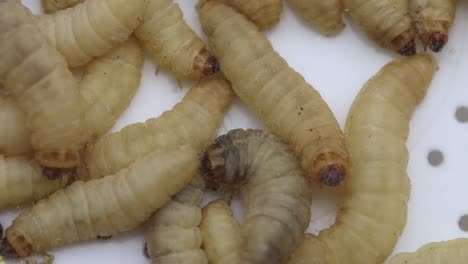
column 220, row 164
column 332, row 175
column 57, row 173
column 211, row 66
column 409, row 49
column 6, row 250
column 437, row 41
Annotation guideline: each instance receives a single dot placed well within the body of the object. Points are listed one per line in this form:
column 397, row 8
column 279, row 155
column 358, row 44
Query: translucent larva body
column 92, row 28
column 173, row 235
column 276, row 195
column 433, row 20
column 452, row 251
column 222, row 238
column 52, row 6
column 36, row 75
column 21, row 181
column 325, row 16
column 172, row 43
column 194, row 122
column 278, row 95
column 264, row 13
column 108, row 85
column 373, row 208
column 101, row 207
column 14, row 137
column 387, row 22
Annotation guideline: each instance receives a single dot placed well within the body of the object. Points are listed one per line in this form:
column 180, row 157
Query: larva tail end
column 409, row 49
column 332, row 175
column 437, row 41
column 212, row 167
column 56, row 173
column 6, row 250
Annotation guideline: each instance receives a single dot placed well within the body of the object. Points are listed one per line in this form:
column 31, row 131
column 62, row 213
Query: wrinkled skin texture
column 172, row 43
column 452, row 251
column 91, row 29
column 173, row 235
column 291, row 108
column 37, row 76
column 433, row 20
column 14, row 137
column 222, row 238
column 373, row 208
column 102, row 207
column 52, row 6
column 276, row 194
column 194, row 121
column 387, row 22
column 325, row 16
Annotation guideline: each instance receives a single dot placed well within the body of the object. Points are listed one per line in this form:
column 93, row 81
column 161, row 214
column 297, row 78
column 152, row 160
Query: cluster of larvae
column 84, row 184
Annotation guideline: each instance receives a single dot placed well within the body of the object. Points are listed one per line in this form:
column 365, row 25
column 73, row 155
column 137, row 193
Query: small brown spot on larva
column 211, row 66
column 437, row 41
column 332, row 175
column 409, row 49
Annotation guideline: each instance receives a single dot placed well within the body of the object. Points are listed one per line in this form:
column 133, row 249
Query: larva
column 108, row 85
column 21, row 181
column 91, row 28
column 325, row 16
column 264, row 13
column 276, row 196
column 291, row 108
column 101, row 207
column 37, row 76
column 194, row 121
column 452, row 251
column 172, row 43
column 387, row 22
column 173, row 235
column 373, row 207
column 14, row 137
column 433, row 20
column 52, row 6
column 222, row 240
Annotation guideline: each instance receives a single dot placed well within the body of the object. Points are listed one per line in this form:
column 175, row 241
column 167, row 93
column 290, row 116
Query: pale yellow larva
column 452, row 251
column 325, row 16
column 372, row 211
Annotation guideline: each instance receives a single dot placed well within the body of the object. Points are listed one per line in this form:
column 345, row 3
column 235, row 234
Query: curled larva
column 92, row 28
column 14, row 137
column 173, row 235
column 276, row 195
column 373, row 207
column 36, row 75
column 452, row 251
column 433, row 20
column 194, row 121
column 21, row 181
column 325, row 16
column 222, row 240
column 264, row 13
column 102, row 207
column 290, row 107
column 172, row 43
column 108, row 85
column 52, row 6
column 387, row 22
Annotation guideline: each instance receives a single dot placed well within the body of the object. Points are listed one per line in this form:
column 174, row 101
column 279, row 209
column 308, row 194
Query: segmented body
column 452, row 251
column 172, row 43
column 14, row 137
column 92, row 28
column 52, row 6
column 373, row 207
column 325, row 16
column 194, row 122
column 264, row 13
column 173, row 235
column 36, row 75
column 101, row 207
column 291, row 108
column 276, row 196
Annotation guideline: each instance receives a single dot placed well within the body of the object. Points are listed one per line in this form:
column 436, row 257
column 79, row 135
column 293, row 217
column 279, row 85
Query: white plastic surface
column 337, row 67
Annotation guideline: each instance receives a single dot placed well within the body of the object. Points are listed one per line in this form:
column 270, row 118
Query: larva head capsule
column 206, row 63
column 409, row 49
column 437, row 41
column 7, row 251
column 220, row 164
